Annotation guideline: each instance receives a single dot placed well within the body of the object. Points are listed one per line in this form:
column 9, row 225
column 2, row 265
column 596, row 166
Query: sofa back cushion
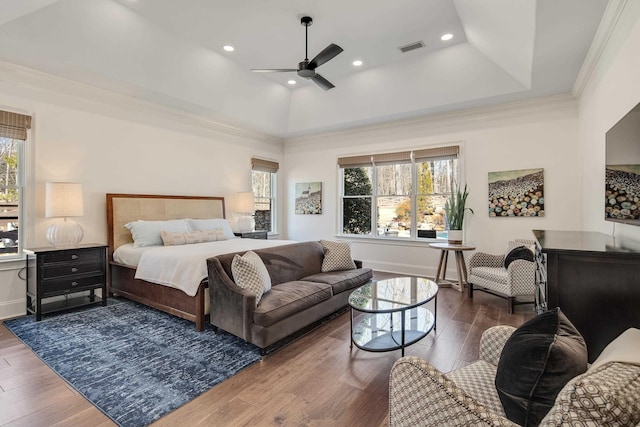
column 284, row 263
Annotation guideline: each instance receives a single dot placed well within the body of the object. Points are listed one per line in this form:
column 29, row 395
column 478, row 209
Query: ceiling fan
column 306, row 68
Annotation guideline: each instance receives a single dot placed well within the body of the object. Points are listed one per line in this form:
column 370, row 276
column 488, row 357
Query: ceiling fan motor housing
column 304, row 70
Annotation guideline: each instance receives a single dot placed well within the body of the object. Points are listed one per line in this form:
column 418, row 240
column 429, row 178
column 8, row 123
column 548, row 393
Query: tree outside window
column 9, row 196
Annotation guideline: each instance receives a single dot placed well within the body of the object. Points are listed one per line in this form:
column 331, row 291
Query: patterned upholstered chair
column 420, row 395
column 515, row 283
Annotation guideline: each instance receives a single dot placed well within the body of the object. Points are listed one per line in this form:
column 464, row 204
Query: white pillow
column 210, row 224
column 147, row 233
column 173, row 239
column 337, row 256
column 250, row 273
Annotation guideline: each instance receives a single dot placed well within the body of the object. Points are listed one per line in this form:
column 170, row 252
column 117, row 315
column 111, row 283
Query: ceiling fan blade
column 273, row 70
column 322, row 82
column 327, row 54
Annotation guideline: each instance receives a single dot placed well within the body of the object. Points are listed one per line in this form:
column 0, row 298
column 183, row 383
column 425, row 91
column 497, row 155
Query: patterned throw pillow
column 250, row 273
column 337, row 256
column 188, row 238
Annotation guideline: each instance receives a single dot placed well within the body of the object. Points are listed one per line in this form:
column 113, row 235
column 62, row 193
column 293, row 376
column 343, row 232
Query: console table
column 595, row 280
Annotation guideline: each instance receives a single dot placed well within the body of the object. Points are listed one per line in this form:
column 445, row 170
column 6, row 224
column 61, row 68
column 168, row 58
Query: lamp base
column 244, row 224
column 65, row 234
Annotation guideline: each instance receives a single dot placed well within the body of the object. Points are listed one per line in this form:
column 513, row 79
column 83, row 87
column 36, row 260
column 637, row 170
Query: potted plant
column 454, row 209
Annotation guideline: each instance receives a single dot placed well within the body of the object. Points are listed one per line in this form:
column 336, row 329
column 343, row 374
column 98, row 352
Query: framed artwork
column 516, row 193
column 308, row 198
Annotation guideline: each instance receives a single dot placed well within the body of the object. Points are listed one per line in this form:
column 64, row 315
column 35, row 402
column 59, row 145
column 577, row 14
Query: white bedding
column 184, row 267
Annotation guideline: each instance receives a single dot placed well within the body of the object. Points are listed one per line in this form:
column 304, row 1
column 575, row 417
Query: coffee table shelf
column 390, row 314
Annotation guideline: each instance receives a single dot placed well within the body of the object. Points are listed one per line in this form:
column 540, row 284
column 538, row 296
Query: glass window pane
column 436, row 176
column 394, row 180
column 430, row 215
column 261, row 184
column 263, row 214
column 357, row 181
column 9, row 197
column 356, row 218
column 394, row 216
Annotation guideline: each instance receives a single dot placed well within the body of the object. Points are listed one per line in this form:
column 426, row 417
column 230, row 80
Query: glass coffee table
column 391, row 314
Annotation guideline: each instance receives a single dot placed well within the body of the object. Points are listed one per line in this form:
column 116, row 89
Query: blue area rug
column 134, row 363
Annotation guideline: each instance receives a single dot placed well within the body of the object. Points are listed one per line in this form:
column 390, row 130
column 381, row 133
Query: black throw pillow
column 536, row 362
column 520, row 252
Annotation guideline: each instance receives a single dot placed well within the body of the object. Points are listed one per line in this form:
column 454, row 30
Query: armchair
column 420, row 395
column 487, row 273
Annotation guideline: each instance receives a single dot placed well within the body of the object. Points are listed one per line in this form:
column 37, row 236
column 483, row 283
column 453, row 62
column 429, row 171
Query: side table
column 256, row 234
column 461, row 267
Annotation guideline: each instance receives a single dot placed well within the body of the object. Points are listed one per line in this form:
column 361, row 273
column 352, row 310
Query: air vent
column 412, row 46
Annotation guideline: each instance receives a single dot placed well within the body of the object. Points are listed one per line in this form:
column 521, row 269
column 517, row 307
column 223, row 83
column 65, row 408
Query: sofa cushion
column 337, row 256
column 288, row 298
column 538, row 359
column 250, row 273
column 343, row 280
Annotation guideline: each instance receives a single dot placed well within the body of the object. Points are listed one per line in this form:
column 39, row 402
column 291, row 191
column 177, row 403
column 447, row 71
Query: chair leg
column 510, row 301
column 470, row 289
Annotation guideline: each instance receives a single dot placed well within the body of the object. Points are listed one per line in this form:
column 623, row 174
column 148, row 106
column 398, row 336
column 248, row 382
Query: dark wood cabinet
column 257, row 234
column 74, row 273
column 595, row 280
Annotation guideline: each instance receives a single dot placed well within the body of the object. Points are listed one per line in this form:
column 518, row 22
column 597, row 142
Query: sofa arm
column 522, row 277
column 231, row 306
column 419, row 394
column 492, row 342
column 481, row 259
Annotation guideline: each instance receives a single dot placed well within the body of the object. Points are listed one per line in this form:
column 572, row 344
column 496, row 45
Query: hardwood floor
column 314, row 381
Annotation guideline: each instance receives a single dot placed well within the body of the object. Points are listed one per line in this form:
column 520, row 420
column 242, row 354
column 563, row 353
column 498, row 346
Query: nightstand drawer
column 72, row 256
column 71, row 269
column 66, row 285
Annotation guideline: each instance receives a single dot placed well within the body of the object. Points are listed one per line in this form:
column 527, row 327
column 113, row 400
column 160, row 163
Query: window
column 13, row 133
column 263, row 179
column 397, row 195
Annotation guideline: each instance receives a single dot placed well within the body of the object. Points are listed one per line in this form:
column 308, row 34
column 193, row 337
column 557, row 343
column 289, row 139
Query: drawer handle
column 74, row 270
column 74, row 283
column 74, row 256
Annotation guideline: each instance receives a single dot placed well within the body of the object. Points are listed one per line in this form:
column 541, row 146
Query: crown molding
column 601, row 40
column 122, row 105
column 454, row 121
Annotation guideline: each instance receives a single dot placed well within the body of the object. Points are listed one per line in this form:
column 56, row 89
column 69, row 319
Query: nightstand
column 257, row 234
column 54, row 272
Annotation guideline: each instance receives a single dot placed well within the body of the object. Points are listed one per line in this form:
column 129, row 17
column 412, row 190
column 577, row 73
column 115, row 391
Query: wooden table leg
column 444, row 267
column 440, row 266
column 460, row 269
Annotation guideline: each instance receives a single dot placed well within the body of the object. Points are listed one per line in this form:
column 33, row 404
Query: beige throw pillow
column 188, row 238
column 250, row 273
column 337, row 256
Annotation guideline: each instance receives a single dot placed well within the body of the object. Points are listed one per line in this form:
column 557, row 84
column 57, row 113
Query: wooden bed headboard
column 124, row 208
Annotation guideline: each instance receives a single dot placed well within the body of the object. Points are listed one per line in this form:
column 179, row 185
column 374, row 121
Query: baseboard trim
column 13, row 309
column 409, row 269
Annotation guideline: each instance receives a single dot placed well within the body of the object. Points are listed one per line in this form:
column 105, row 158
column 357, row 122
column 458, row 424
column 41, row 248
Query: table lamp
column 63, row 200
column 245, row 206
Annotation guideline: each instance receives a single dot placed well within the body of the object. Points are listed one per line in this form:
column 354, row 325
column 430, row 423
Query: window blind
column 14, row 125
column 354, row 161
column 399, row 157
column 264, row 165
column 437, row 153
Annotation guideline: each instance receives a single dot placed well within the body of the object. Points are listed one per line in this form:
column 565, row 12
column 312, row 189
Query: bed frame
column 123, row 208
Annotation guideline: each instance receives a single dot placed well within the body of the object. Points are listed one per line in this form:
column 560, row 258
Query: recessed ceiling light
column 229, row 48
column 446, row 37
column 357, row 63
column 291, row 82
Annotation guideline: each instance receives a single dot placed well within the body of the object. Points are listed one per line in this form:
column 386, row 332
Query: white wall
column 611, row 91
column 120, row 147
column 538, row 134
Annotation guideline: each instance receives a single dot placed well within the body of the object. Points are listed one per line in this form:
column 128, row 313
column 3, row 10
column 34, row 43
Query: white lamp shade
column 245, row 203
column 63, row 199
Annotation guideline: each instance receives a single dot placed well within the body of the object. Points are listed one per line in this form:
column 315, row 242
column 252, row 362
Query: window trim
column 451, row 150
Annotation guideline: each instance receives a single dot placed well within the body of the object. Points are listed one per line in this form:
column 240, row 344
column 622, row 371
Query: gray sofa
column 300, row 293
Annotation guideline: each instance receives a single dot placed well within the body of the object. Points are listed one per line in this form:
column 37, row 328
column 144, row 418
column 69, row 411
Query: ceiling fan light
column 446, row 37
column 228, row 48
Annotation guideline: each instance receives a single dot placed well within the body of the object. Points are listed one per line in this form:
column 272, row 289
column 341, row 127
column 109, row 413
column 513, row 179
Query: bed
column 187, row 300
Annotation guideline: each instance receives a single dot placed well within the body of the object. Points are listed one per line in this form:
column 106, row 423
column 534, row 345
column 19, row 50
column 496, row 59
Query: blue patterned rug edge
column 11, row 324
